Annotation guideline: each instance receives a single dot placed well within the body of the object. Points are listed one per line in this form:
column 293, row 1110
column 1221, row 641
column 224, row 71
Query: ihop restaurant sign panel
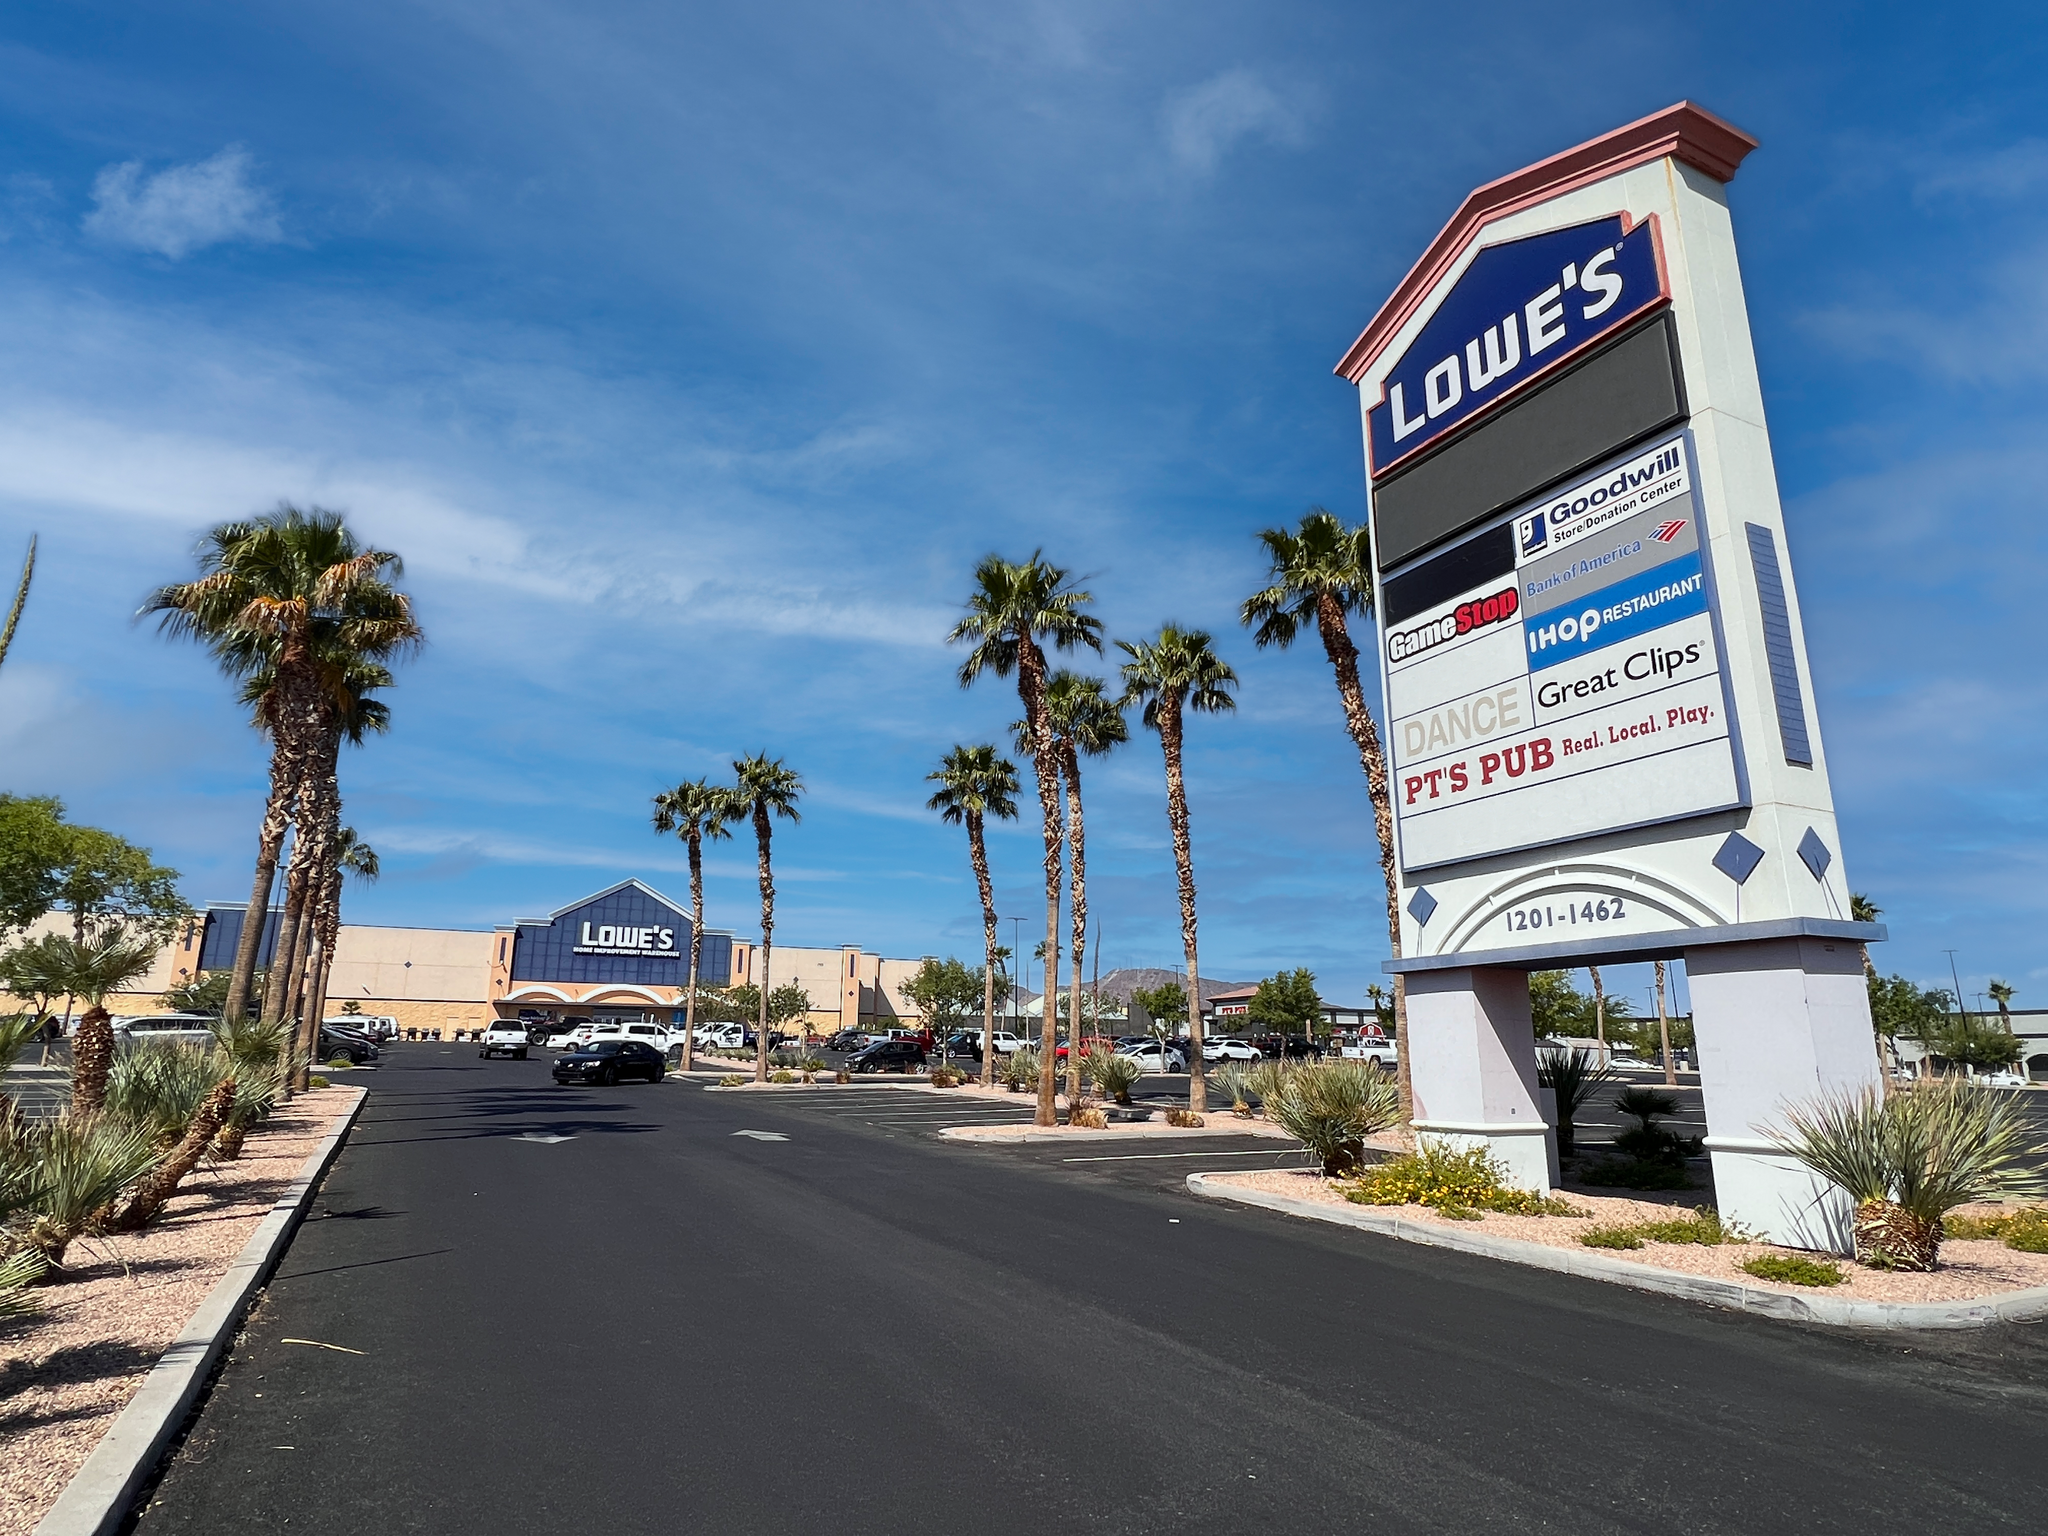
column 1521, row 308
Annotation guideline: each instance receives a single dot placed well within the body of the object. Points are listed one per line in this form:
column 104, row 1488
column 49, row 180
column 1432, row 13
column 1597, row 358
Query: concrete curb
column 95, row 1502
column 1829, row 1311
column 1010, row 1136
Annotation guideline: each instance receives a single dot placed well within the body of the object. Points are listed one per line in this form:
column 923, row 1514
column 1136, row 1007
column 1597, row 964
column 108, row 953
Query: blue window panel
column 224, row 935
column 1777, row 616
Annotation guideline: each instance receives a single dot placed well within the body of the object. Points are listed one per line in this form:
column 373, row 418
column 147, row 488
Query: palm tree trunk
column 1599, row 1009
column 1184, row 862
column 269, row 844
column 762, row 834
column 155, row 1191
column 977, row 855
column 1365, row 735
column 696, row 841
column 92, row 1058
column 1664, row 1032
column 1045, row 767
column 1078, row 916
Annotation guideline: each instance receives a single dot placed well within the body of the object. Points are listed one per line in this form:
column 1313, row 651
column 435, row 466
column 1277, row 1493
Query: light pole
column 1017, row 957
column 1958, row 980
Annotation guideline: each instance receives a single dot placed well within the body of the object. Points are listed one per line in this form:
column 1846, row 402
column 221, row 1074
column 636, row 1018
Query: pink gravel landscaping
column 67, row 1372
column 1969, row 1270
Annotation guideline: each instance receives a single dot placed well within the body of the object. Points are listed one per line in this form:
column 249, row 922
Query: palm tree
column 1012, row 607
column 2001, row 994
column 349, row 855
column 1664, row 1032
column 1599, row 1009
column 1167, row 677
column 976, row 783
column 91, row 969
column 1321, row 573
column 28, row 571
column 1863, row 910
column 767, row 788
column 1084, row 719
column 697, row 811
column 294, row 591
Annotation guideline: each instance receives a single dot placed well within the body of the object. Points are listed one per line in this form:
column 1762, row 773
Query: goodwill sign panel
column 1521, row 308
column 1575, row 686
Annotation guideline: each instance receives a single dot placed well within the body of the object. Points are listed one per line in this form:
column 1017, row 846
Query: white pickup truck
column 1378, row 1049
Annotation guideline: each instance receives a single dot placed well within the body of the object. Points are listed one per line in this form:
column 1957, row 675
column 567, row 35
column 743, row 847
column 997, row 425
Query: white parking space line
column 1153, row 1157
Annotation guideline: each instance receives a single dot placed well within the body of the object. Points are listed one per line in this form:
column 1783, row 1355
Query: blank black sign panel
column 1624, row 390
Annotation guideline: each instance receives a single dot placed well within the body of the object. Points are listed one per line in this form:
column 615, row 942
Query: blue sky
column 691, row 356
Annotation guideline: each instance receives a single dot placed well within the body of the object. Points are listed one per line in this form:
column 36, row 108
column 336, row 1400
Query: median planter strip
column 1410, row 1224
column 74, row 1360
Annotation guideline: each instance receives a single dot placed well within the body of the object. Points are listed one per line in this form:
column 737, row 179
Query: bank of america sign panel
column 1575, row 684
column 1522, row 309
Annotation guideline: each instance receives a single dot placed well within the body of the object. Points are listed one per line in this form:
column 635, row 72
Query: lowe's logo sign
column 611, row 939
column 1520, row 309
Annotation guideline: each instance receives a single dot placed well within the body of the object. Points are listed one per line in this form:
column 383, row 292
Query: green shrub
column 1233, row 1079
column 316, row 1081
column 1612, row 1237
column 1572, row 1073
column 1115, row 1075
column 2026, row 1230
column 76, row 1166
column 1908, row 1160
column 732, row 1080
column 1458, row 1184
column 1792, row 1269
column 1704, row 1227
column 1633, row 1173
column 159, row 1086
column 19, row 1271
column 1265, row 1079
column 1020, row 1070
column 338, row 1063
column 1332, row 1106
column 944, row 1076
column 782, row 1075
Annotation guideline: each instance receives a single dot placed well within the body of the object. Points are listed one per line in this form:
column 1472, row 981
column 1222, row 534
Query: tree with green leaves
column 1903, row 1010
column 976, row 783
column 946, row 992
column 1971, row 1040
column 205, row 993
column 1288, row 1003
column 768, row 788
column 1321, row 574
column 48, row 864
column 1163, row 1005
column 697, row 811
column 1014, row 611
column 1086, row 722
column 1560, row 1011
column 1166, row 678
column 787, row 1003
column 294, row 596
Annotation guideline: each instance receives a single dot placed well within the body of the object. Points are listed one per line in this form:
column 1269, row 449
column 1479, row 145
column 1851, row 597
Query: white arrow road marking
column 763, row 1135
column 545, row 1138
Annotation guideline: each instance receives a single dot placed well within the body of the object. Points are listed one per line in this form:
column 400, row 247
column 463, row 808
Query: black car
column 607, row 1061
column 347, row 1043
column 887, row 1056
column 966, row 1043
column 1292, row 1047
column 846, row 1040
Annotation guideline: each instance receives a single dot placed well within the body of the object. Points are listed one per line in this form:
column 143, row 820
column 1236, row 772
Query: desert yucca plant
column 264, row 1062
column 19, row 1271
column 1230, row 1078
column 1908, row 1160
column 1115, row 1075
column 161, row 1084
column 78, row 1165
column 1267, row 1078
column 1333, row 1106
column 1572, row 1073
column 16, row 1031
column 1020, row 1070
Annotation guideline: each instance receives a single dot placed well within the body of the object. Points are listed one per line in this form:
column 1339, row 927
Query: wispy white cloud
column 2013, row 171
column 183, row 208
column 1205, row 123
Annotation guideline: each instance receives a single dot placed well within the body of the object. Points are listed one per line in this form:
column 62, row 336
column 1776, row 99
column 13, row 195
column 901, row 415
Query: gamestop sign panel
column 1576, row 686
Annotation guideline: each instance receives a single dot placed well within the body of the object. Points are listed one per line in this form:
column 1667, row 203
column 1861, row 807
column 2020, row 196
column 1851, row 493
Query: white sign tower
column 1602, row 739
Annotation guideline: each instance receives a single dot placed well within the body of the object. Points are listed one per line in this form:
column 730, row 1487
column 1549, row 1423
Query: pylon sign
column 1597, row 692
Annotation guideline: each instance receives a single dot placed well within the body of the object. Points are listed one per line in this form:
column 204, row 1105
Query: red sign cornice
column 1685, row 132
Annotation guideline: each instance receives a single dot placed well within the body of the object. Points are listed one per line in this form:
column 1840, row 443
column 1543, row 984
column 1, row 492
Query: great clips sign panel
column 1576, row 686
column 1520, row 309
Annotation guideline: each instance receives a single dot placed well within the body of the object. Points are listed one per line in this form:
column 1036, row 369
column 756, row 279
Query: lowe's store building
column 620, row 954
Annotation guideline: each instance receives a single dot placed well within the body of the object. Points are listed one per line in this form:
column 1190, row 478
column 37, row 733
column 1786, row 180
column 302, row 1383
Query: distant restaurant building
column 622, row 953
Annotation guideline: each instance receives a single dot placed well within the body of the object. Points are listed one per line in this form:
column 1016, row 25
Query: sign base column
column 1472, row 1063
column 1780, row 1022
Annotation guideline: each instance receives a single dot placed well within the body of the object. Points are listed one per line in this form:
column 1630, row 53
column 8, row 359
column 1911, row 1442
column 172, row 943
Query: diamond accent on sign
column 1738, row 858
column 1814, row 853
column 1421, row 905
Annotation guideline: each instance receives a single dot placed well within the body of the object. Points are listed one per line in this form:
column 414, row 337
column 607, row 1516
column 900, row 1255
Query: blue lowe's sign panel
column 630, row 934
column 1520, row 309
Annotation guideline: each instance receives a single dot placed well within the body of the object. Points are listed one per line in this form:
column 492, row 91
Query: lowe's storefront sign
column 630, row 934
column 1521, row 308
